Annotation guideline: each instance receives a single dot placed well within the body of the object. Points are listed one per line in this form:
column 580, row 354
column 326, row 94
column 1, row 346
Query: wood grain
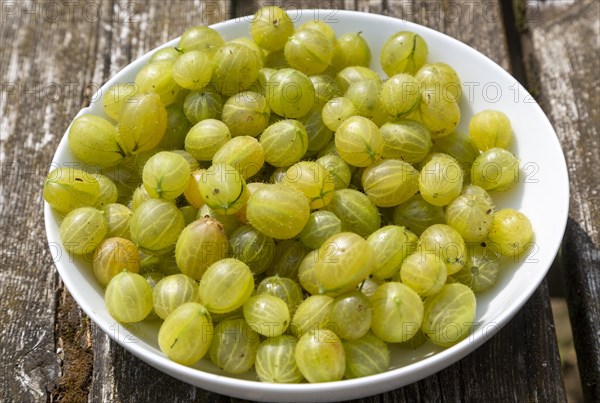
column 563, row 58
column 50, row 69
column 44, row 65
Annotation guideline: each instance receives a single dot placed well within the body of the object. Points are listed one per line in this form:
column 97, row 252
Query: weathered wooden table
column 55, row 55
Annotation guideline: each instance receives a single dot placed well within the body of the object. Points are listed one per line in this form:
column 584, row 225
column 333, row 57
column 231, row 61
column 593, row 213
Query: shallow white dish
column 542, row 194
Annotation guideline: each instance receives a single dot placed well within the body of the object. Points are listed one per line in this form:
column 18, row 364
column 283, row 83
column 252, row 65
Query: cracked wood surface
column 562, row 56
column 52, row 60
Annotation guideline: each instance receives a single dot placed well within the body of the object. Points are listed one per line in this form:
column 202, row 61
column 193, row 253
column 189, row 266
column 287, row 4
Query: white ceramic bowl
column 542, row 194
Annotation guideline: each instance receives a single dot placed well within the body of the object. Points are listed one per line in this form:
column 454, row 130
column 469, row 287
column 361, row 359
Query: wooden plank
column 562, row 56
column 45, row 65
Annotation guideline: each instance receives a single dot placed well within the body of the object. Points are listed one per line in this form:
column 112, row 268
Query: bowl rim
column 379, row 383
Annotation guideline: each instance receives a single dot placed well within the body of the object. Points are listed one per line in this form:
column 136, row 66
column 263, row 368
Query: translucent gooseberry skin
column 390, row 182
column 306, row 272
column 358, row 141
column 275, row 362
column 440, row 180
column 416, row 214
column 155, row 226
column 511, row 233
column 116, row 96
column 309, row 51
column 282, row 287
column 445, row 242
column 312, row 313
column 336, row 111
column 244, row 153
column 496, row 169
column 397, row 312
column 320, row 26
column 312, row 180
column 400, row 95
column 271, row 27
column 269, row 208
column 189, row 158
column 82, row 230
column 319, row 135
column 440, row 76
column 391, row 245
column 186, row 334
column 320, row 356
column 200, row 38
column 249, row 43
column 351, row 50
column 173, row 291
column 439, row 112
column 93, row 140
column 234, row 345
column 351, row 315
column 482, row 268
column 226, row 285
column 320, row 226
column 252, row 247
column 403, row 52
column 67, row 188
column 406, row 140
column 290, row 93
column 459, row 146
column 193, row 70
column 246, row 114
column 241, row 216
column 284, row 142
column 140, row 195
column 489, row 129
column 425, row 273
column 288, row 256
column 128, row 297
column 448, row 316
column 471, row 215
column 166, row 175
column 200, row 244
column 158, row 78
column 267, row 314
column 205, row 138
column 353, row 74
column 108, row 191
column 235, row 68
column 340, row 171
column 366, row 97
column 206, row 104
column 356, row 211
column 165, row 55
column 142, row 123
column 344, row 261
column 325, row 89
column 223, row 188
column 192, row 191
column 113, row 256
column 117, row 218
column 366, row 356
